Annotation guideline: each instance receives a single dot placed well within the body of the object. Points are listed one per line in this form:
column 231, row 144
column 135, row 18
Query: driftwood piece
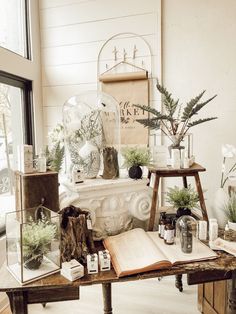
column 110, row 163
column 76, row 238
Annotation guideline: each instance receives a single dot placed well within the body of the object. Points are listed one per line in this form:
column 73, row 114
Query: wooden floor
column 140, row 297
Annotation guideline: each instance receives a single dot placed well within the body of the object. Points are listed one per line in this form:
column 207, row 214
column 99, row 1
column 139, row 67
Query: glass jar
column 186, row 232
column 91, row 124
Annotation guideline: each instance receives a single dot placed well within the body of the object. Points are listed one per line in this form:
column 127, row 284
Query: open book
column 137, row 251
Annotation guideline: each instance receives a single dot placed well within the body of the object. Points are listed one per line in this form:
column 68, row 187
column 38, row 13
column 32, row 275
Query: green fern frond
column 169, row 103
column 148, row 109
column 188, row 110
column 156, row 113
column 201, row 105
column 196, row 122
column 152, row 124
column 55, row 157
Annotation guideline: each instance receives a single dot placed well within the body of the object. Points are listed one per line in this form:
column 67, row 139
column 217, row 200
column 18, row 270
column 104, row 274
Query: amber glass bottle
column 169, row 237
column 162, row 222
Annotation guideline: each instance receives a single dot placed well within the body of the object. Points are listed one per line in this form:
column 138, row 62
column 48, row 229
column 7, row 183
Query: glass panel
column 11, row 135
column 12, row 26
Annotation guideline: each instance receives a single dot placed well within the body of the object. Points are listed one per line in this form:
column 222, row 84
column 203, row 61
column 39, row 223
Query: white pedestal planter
column 113, row 203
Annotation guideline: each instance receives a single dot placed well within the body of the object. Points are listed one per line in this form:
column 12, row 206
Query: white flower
column 228, row 151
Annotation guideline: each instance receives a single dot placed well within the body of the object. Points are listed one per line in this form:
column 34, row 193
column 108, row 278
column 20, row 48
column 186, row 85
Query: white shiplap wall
column 73, row 32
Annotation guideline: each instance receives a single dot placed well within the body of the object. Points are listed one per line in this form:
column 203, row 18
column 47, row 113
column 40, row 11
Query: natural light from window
column 13, row 28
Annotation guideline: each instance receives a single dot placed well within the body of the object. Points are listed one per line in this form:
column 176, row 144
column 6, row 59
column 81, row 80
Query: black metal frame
column 28, row 54
column 28, row 117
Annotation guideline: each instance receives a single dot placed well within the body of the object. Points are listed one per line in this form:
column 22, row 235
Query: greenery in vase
column 176, row 121
column 36, row 237
column 230, row 208
column 55, row 151
column 182, row 197
column 136, row 156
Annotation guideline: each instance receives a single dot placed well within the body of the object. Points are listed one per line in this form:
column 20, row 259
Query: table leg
column 107, row 298
column 185, row 183
column 154, row 203
column 178, row 282
column 201, row 197
column 18, row 302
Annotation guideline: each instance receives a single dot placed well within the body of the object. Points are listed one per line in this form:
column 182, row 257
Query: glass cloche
column 186, row 232
column 92, row 128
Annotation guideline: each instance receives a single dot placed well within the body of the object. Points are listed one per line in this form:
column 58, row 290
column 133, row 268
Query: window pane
column 11, row 135
column 12, row 26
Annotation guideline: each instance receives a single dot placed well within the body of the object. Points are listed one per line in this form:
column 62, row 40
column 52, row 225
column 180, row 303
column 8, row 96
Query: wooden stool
column 168, row 173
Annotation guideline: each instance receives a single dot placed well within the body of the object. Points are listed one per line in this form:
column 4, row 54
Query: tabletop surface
column 169, row 170
column 210, row 270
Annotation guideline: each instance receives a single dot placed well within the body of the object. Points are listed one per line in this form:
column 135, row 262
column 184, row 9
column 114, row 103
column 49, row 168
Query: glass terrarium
column 92, row 127
column 33, row 243
column 186, row 232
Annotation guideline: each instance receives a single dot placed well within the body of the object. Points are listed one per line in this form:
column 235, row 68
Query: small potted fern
column 134, row 158
column 183, row 199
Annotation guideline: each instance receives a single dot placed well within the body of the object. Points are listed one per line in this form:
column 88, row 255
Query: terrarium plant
column 36, row 239
column 134, row 158
column 183, row 199
column 175, row 120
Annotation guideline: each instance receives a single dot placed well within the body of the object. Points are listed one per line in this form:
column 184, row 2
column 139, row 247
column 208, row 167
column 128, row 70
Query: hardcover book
column 137, row 251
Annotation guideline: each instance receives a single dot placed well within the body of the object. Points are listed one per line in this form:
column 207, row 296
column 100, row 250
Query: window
column 14, row 30
column 15, row 129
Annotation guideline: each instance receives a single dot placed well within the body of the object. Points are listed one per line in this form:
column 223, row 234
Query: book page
column 175, row 255
column 132, row 251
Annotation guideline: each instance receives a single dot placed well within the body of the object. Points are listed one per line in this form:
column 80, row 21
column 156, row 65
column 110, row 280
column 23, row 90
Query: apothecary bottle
column 161, row 226
column 169, row 233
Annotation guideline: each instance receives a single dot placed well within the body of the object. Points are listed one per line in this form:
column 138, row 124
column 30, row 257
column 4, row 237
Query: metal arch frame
column 120, row 34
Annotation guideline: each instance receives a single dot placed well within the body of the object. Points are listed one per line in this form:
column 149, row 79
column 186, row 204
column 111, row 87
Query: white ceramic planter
column 232, row 225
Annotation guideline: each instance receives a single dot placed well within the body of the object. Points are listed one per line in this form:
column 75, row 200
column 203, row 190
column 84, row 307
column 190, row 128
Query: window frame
column 27, row 30
column 27, row 100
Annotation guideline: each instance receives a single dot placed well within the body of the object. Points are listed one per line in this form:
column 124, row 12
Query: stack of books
column 72, row 270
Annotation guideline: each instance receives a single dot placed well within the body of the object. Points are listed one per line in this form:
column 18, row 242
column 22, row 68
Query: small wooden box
column 31, row 188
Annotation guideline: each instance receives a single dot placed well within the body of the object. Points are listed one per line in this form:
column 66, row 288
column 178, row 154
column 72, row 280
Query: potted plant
column 134, row 158
column 36, row 239
column 183, row 199
column 230, row 211
column 175, row 122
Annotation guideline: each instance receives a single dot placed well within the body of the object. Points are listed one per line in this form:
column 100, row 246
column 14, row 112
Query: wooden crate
column 31, row 188
column 213, row 297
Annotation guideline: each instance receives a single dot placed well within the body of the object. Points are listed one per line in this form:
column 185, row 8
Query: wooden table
column 57, row 288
